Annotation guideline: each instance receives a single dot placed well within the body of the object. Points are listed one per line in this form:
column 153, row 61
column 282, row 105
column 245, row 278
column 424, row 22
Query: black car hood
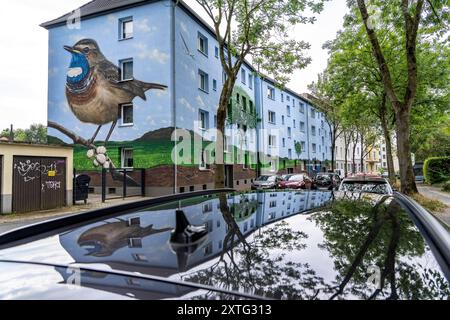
column 282, row 245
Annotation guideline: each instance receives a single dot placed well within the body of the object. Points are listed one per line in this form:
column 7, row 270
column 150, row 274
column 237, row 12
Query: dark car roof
column 275, row 244
column 366, row 179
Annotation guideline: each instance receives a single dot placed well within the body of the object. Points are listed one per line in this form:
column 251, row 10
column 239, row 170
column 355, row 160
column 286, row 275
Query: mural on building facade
column 96, row 89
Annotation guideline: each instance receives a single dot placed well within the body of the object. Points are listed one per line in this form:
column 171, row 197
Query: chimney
column 11, row 134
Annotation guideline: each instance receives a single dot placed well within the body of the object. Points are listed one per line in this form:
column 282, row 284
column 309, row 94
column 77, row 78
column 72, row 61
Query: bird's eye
column 86, row 50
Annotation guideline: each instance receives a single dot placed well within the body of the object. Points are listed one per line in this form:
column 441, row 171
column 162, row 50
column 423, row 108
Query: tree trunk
column 346, row 144
column 333, row 150
column 407, row 180
column 362, row 154
column 355, row 142
column 388, row 142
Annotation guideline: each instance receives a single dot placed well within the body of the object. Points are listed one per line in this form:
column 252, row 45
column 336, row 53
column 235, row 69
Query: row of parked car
column 297, row 181
column 358, row 183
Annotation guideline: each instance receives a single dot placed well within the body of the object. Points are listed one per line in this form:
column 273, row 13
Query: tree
column 36, row 133
column 258, row 30
column 415, row 15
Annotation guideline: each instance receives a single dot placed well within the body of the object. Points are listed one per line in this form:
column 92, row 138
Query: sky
column 24, row 54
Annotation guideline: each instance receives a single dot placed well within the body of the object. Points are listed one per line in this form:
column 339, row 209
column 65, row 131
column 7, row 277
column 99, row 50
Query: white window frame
column 121, row 64
column 271, row 93
column 200, row 38
column 274, row 117
column 122, row 157
column 122, row 23
column 201, row 74
column 122, row 123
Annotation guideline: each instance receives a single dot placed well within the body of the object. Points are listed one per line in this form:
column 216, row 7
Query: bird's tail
column 149, row 86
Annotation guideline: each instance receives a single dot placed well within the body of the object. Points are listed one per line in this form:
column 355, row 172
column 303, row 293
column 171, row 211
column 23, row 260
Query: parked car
column 265, row 182
column 418, row 172
column 327, row 180
column 366, row 184
column 297, row 181
column 167, row 248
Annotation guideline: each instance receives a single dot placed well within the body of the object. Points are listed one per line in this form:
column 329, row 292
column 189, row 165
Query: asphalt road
column 437, row 194
column 8, row 226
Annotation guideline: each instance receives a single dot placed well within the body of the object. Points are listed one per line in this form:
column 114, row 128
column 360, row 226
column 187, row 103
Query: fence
column 118, row 183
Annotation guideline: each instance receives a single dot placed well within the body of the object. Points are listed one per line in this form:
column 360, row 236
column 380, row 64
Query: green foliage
column 236, row 113
column 436, row 169
column 36, row 133
column 298, row 148
column 446, row 186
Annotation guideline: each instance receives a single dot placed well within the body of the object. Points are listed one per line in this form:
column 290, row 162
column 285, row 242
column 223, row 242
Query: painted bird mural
column 94, row 88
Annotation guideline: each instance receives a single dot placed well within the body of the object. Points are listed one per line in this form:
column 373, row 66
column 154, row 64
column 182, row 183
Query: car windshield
column 365, row 186
column 323, row 177
column 266, row 178
column 286, row 177
column 296, row 177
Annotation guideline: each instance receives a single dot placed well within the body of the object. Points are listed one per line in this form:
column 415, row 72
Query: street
column 437, row 194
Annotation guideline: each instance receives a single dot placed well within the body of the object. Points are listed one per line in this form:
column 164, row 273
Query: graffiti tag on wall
column 51, row 185
column 30, row 170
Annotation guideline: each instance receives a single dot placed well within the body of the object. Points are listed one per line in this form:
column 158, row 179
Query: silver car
column 266, row 182
column 366, row 185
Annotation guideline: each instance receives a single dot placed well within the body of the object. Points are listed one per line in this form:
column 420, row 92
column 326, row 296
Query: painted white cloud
column 144, row 26
column 186, row 104
column 184, row 27
column 200, row 102
column 151, row 54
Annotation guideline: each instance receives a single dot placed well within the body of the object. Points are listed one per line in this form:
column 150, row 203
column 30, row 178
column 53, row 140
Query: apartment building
column 169, row 133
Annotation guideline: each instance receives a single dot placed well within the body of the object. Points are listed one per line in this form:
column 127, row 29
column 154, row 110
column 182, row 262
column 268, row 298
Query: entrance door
column 53, row 183
column 229, row 176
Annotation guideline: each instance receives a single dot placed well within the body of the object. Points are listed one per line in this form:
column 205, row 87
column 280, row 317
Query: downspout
column 307, row 138
column 173, row 97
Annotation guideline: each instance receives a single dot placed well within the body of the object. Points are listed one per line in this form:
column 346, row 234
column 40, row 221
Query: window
column 282, row 119
column 284, row 142
column 314, row 147
column 289, row 132
column 272, row 117
column 226, row 144
column 214, row 84
column 203, row 119
column 303, row 146
column 250, row 81
column 272, row 141
column 244, row 104
column 288, row 111
column 302, row 108
column 288, row 98
column 302, row 126
column 203, row 81
column 216, row 52
column 127, row 158
column 313, row 113
column 282, row 97
column 202, row 44
column 271, row 93
column 224, row 77
column 289, row 153
column 243, row 76
column 126, row 113
column 126, row 69
column 313, row 130
column 126, row 28
column 134, row 242
column 294, row 123
column 204, row 165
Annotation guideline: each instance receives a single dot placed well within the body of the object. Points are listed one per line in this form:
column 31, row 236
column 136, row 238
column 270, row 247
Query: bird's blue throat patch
column 79, row 69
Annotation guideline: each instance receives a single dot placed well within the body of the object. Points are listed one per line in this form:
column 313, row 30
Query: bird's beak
column 71, row 49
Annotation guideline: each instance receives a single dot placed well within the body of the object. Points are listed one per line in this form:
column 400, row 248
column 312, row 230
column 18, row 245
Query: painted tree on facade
column 95, row 91
column 259, row 30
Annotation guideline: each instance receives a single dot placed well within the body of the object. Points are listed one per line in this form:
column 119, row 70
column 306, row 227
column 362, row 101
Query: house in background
column 158, row 42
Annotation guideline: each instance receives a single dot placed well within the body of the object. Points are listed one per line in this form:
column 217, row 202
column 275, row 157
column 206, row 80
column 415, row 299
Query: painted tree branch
column 72, row 135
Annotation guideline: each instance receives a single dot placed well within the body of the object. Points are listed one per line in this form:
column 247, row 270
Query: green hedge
column 436, row 169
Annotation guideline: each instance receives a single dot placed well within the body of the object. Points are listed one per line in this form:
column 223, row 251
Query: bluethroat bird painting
column 94, row 88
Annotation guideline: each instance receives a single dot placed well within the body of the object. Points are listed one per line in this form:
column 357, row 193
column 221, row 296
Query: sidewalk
column 13, row 221
column 436, row 194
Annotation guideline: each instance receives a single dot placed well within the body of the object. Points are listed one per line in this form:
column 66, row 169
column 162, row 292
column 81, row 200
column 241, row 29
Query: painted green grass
column 155, row 153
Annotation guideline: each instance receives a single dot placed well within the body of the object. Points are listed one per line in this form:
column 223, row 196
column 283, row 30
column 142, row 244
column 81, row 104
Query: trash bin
column 82, row 187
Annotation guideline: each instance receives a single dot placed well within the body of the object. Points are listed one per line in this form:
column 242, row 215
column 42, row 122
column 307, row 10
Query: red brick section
column 163, row 176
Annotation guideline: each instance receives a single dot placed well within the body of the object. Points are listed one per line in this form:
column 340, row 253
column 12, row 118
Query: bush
column 436, row 169
column 446, row 186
